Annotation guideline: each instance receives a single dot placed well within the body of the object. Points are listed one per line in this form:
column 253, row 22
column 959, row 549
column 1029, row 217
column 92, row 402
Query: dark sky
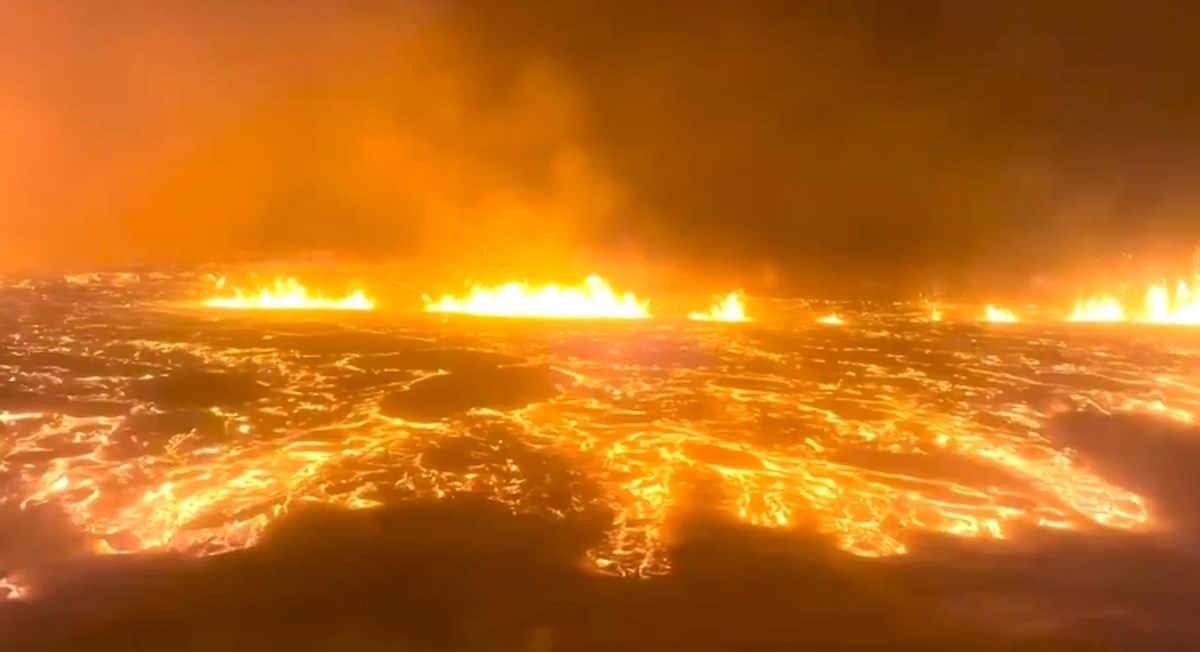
column 894, row 139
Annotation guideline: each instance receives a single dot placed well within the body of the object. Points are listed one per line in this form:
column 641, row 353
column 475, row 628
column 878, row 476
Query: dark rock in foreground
column 500, row 388
column 16, row 400
column 466, row 574
column 194, row 389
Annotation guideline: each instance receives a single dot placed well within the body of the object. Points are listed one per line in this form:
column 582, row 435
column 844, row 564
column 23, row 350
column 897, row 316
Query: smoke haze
column 921, row 139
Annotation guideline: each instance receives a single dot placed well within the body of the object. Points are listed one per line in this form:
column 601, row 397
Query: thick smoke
column 930, row 140
column 180, row 131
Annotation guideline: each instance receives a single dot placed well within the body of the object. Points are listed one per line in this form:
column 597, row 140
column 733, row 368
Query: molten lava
column 999, row 315
column 593, row 299
column 730, row 308
column 286, row 294
column 865, row 447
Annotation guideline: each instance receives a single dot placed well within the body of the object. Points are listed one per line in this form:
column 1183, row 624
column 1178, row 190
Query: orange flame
column 729, row 309
column 934, row 307
column 1099, row 308
column 999, row 315
column 1160, row 305
column 286, row 294
column 1182, row 307
column 594, row 299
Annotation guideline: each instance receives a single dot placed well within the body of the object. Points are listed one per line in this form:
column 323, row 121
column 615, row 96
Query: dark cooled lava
column 156, row 427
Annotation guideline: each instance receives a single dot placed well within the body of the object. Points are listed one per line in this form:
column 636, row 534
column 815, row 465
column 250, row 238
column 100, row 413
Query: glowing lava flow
column 999, row 315
column 831, row 319
column 287, row 294
column 869, row 450
column 594, row 299
column 729, row 309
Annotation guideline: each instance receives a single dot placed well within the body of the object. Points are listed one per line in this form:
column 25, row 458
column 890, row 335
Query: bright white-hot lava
column 593, row 299
column 731, row 308
column 284, row 294
column 933, row 308
column 999, row 315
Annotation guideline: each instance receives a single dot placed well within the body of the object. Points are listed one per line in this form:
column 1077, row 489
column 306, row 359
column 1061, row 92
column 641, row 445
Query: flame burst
column 934, row 308
column 999, row 315
column 594, row 299
column 286, row 294
column 729, row 309
column 1098, row 308
column 831, row 319
column 1180, row 307
column 1160, row 304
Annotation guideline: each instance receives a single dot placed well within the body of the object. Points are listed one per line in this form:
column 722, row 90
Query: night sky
column 919, row 143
